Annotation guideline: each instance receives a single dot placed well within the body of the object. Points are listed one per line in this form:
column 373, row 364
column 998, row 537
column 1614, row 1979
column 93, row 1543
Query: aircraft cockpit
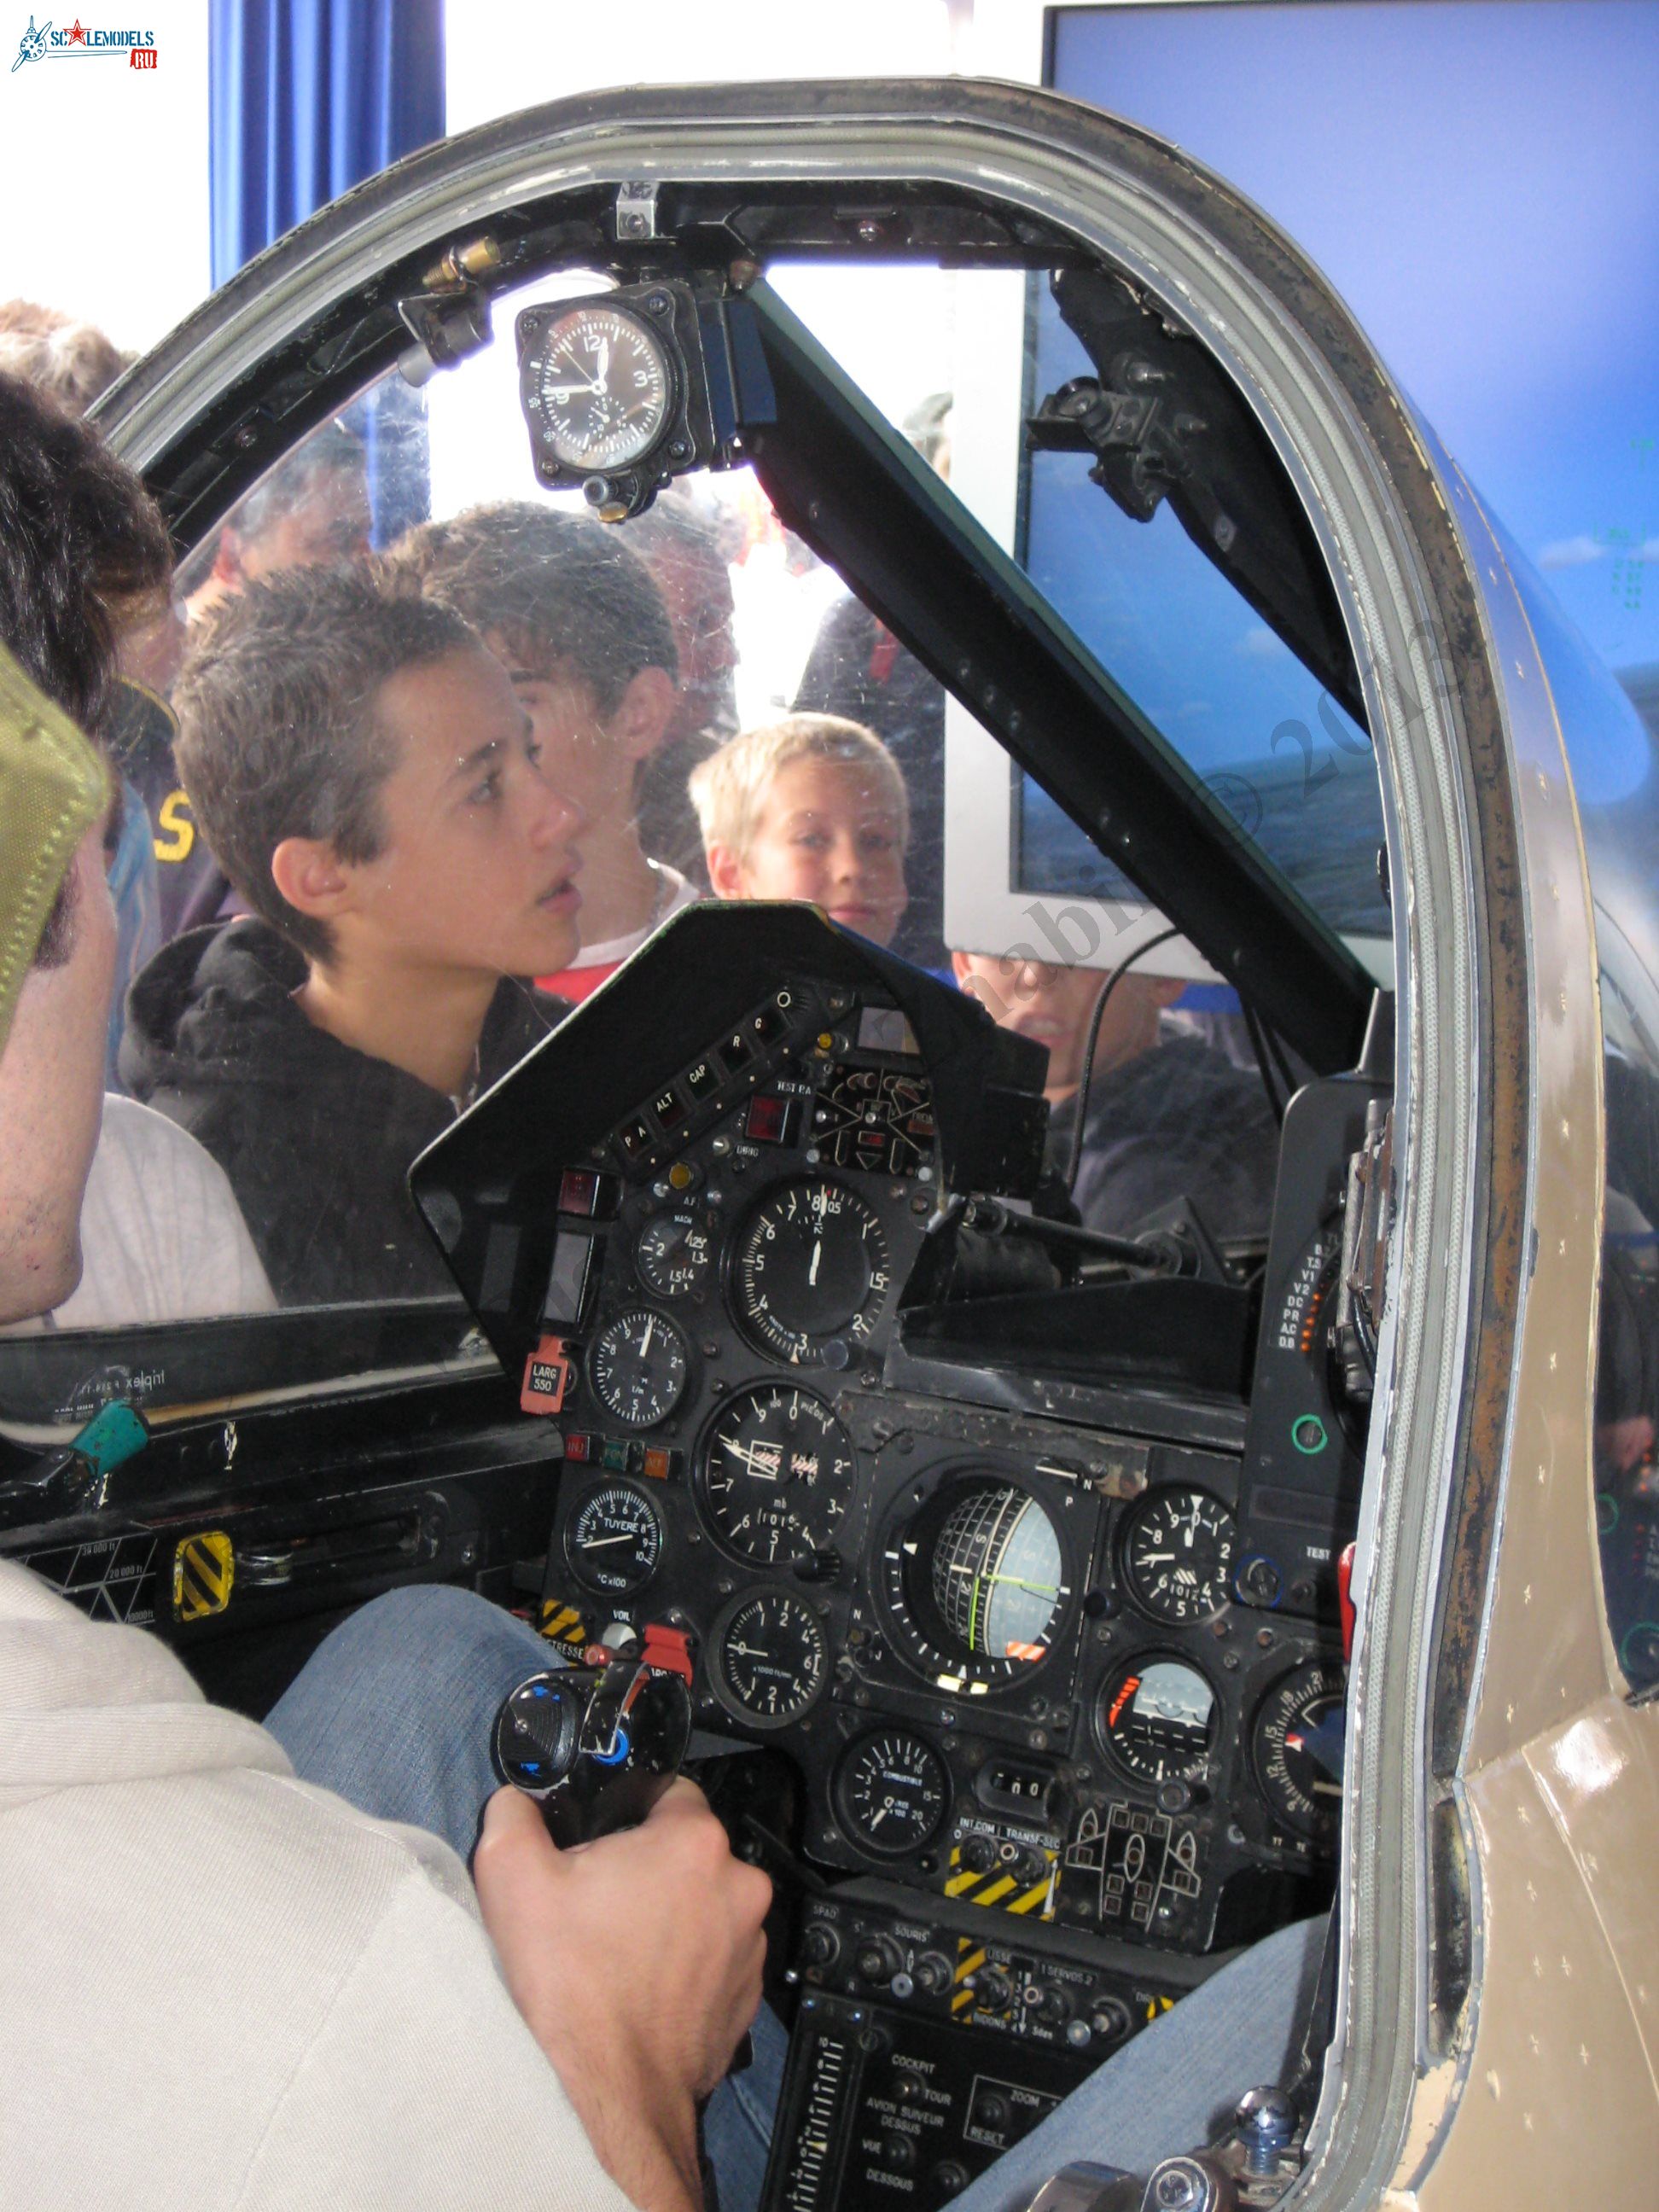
column 925, row 1270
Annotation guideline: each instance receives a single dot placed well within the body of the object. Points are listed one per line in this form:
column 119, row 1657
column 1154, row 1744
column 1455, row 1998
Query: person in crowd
column 1166, row 1117
column 812, row 807
column 161, row 1237
column 858, row 669
column 72, row 364
column 312, row 510
column 375, row 790
column 683, row 552
column 71, row 361
column 576, row 620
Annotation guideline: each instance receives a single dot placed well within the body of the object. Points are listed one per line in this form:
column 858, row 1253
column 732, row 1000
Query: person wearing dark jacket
column 1167, row 1117
column 361, row 767
column 215, row 1040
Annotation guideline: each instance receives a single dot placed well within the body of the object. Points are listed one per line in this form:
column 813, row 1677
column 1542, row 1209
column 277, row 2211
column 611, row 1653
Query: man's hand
column 636, row 1961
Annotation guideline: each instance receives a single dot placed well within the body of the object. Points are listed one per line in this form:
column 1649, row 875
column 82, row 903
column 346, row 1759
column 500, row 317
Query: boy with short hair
column 374, row 790
column 574, row 616
column 812, row 807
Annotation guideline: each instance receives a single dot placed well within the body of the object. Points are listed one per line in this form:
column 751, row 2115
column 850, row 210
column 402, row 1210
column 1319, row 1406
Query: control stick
column 595, row 1747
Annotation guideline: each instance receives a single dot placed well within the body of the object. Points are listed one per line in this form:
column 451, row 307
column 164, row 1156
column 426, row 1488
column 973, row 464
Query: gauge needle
column 650, row 1331
column 598, row 1543
column 812, row 1272
column 763, row 1469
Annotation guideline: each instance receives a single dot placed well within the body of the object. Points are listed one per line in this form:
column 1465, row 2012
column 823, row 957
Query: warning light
column 771, row 1118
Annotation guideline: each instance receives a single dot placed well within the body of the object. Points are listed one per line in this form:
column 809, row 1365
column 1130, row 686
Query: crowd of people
column 379, row 1981
column 388, row 815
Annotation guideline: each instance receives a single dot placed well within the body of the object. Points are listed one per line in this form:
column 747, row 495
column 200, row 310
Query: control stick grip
column 596, row 1748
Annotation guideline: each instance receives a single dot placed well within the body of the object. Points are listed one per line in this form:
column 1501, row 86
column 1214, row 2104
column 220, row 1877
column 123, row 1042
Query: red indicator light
column 771, row 1118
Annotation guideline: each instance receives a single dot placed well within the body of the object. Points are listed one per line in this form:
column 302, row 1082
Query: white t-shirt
column 222, row 1988
column 162, row 1237
column 673, row 893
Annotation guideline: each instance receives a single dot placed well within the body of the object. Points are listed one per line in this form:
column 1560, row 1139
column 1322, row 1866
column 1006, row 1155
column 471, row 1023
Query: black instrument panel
column 1006, row 1655
column 987, row 1588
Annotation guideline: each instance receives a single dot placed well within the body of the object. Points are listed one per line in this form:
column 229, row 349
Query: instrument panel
column 1008, row 1656
column 1023, row 1586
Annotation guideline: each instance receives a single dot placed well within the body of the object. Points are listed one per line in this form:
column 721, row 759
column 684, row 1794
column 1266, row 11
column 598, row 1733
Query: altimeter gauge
column 778, row 1470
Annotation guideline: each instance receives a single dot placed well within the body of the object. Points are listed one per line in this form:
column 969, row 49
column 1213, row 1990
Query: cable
column 1112, row 982
column 1258, row 1036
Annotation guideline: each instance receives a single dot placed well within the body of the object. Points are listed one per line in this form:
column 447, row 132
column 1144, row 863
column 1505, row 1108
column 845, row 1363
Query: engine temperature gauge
column 615, row 1538
column 891, row 1793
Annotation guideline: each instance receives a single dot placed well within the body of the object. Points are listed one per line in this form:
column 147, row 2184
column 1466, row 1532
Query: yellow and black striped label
column 204, row 1569
column 970, row 1957
column 562, row 1624
column 1000, row 1889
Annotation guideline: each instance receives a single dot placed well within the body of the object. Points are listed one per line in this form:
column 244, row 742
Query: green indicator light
column 1308, row 1434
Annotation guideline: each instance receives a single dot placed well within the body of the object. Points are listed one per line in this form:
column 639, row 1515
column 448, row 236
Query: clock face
column 599, row 387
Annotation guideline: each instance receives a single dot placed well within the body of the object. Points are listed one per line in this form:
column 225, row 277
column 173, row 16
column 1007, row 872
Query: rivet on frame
column 1543, row 1472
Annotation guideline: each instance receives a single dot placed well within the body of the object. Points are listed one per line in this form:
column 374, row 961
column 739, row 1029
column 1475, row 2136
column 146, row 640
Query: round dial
column 891, row 1792
column 1157, row 1717
column 599, row 385
column 637, row 1367
column 675, row 1253
column 810, row 1269
column 778, row 1470
column 615, row 1538
column 771, row 1658
column 1178, row 1554
column 976, row 1581
column 1298, row 1744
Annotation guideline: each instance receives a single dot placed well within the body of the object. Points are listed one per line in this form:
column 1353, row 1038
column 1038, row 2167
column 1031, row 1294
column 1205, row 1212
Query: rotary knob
column 879, row 1958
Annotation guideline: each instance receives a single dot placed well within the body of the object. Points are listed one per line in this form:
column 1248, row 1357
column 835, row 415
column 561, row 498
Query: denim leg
column 393, row 1710
column 1174, row 2086
column 736, row 2122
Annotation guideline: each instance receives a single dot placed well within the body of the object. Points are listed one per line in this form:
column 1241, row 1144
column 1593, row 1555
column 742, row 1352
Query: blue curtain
column 305, row 99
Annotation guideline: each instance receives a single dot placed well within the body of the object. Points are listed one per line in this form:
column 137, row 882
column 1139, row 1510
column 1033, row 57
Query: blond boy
column 812, row 807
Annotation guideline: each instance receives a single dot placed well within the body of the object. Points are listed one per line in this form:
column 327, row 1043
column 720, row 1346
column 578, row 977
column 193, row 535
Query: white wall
column 104, row 170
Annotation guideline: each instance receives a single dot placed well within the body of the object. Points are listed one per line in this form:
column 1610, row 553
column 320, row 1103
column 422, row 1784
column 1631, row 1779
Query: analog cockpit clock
column 598, row 384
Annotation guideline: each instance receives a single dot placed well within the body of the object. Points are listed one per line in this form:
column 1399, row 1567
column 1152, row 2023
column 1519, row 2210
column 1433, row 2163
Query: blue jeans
column 393, row 1711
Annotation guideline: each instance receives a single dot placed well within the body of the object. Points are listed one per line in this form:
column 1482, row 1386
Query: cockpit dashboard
column 1044, row 1644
